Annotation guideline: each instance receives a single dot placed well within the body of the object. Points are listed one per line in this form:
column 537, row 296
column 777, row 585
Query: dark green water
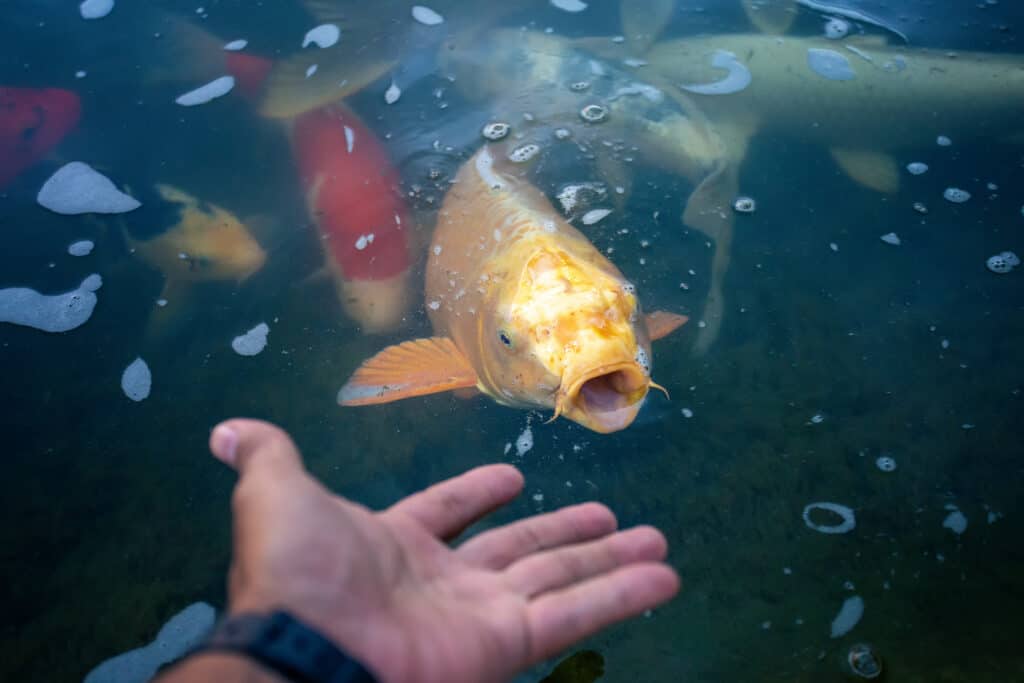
column 115, row 517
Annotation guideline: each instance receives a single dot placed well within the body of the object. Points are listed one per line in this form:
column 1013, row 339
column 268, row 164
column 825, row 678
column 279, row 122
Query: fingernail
column 224, row 443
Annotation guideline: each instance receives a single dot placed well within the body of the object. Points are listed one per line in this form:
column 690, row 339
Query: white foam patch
column 594, row 215
column 849, row 615
column 830, row 64
column 426, row 16
column 50, row 313
column 137, row 380
column 81, row 248
column 917, row 168
column 181, row 633
column 95, row 9
column 569, row 5
column 205, row 93
column 236, row 45
column 350, row 139
column 252, row 342
column 524, row 442
column 392, row 94
column 736, row 80
column 323, row 36
column 956, row 522
column 891, row 238
column 78, row 188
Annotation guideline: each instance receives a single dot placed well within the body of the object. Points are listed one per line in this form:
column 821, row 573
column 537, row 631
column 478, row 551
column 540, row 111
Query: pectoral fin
column 874, row 170
column 771, row 16
column 663, row 323
column 412, row 368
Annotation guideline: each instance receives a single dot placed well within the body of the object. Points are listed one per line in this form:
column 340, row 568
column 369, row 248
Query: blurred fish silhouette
column 33, row 121
column 697, row 102
column 524, row 309
column 190, row 241
column 373, row 44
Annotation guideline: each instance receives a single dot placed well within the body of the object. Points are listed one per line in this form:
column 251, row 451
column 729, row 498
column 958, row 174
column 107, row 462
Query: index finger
column 445, row 509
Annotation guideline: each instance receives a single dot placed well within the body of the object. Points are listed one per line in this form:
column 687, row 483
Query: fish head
column 211, row 241
column 32, row 122
column 569, row 336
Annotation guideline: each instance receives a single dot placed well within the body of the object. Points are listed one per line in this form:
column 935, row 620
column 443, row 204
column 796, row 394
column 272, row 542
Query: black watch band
column 285, row 645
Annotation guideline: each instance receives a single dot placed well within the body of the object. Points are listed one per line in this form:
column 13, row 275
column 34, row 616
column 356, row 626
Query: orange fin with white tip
column 412, row 368
column 662, row 323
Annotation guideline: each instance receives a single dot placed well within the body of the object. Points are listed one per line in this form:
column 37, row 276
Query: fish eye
column 505, row 338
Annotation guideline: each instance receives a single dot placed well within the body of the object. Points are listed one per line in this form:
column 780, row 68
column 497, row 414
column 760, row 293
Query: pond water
column 861, row 349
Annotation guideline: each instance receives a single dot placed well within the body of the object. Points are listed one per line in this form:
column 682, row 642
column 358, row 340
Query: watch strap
column 283, row 644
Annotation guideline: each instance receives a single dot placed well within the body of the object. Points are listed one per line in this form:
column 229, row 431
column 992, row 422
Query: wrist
column 357, row 638
column 223, row 667
column 281, row 643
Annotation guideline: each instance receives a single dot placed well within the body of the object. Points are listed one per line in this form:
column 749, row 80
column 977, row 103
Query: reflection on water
column 880, row 375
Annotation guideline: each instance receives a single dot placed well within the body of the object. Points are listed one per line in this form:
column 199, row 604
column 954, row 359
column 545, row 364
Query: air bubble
column 593, row 113
column 836, row 28
column 885, row 463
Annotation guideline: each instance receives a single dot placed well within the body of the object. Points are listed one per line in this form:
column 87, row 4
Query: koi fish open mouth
column 605, row 399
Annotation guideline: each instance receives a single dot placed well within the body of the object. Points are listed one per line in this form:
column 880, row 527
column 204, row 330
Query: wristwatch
column 286, row 646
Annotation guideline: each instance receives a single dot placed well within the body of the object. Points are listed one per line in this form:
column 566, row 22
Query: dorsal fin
column 663, row 323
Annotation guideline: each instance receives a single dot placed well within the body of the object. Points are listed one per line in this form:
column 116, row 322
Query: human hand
column 387, row 588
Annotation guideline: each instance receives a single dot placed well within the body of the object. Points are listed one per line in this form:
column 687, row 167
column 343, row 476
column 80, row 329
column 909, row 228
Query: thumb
column 250, row 445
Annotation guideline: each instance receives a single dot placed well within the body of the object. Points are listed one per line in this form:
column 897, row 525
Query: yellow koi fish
column 190, row 241
column 524, row 308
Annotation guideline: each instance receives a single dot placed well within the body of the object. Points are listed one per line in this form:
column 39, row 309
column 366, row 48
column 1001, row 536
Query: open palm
column 391, row 592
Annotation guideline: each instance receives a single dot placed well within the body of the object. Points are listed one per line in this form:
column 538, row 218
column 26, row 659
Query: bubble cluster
column 1002, row 263
column 956, row 195
column 523, row 153
column 744, row 205
column 579, row 86
column 496, row 130
column 917, row 168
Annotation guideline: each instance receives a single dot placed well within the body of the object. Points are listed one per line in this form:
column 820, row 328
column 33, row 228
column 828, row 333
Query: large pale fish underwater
column 524, row 309
column 694, row 105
